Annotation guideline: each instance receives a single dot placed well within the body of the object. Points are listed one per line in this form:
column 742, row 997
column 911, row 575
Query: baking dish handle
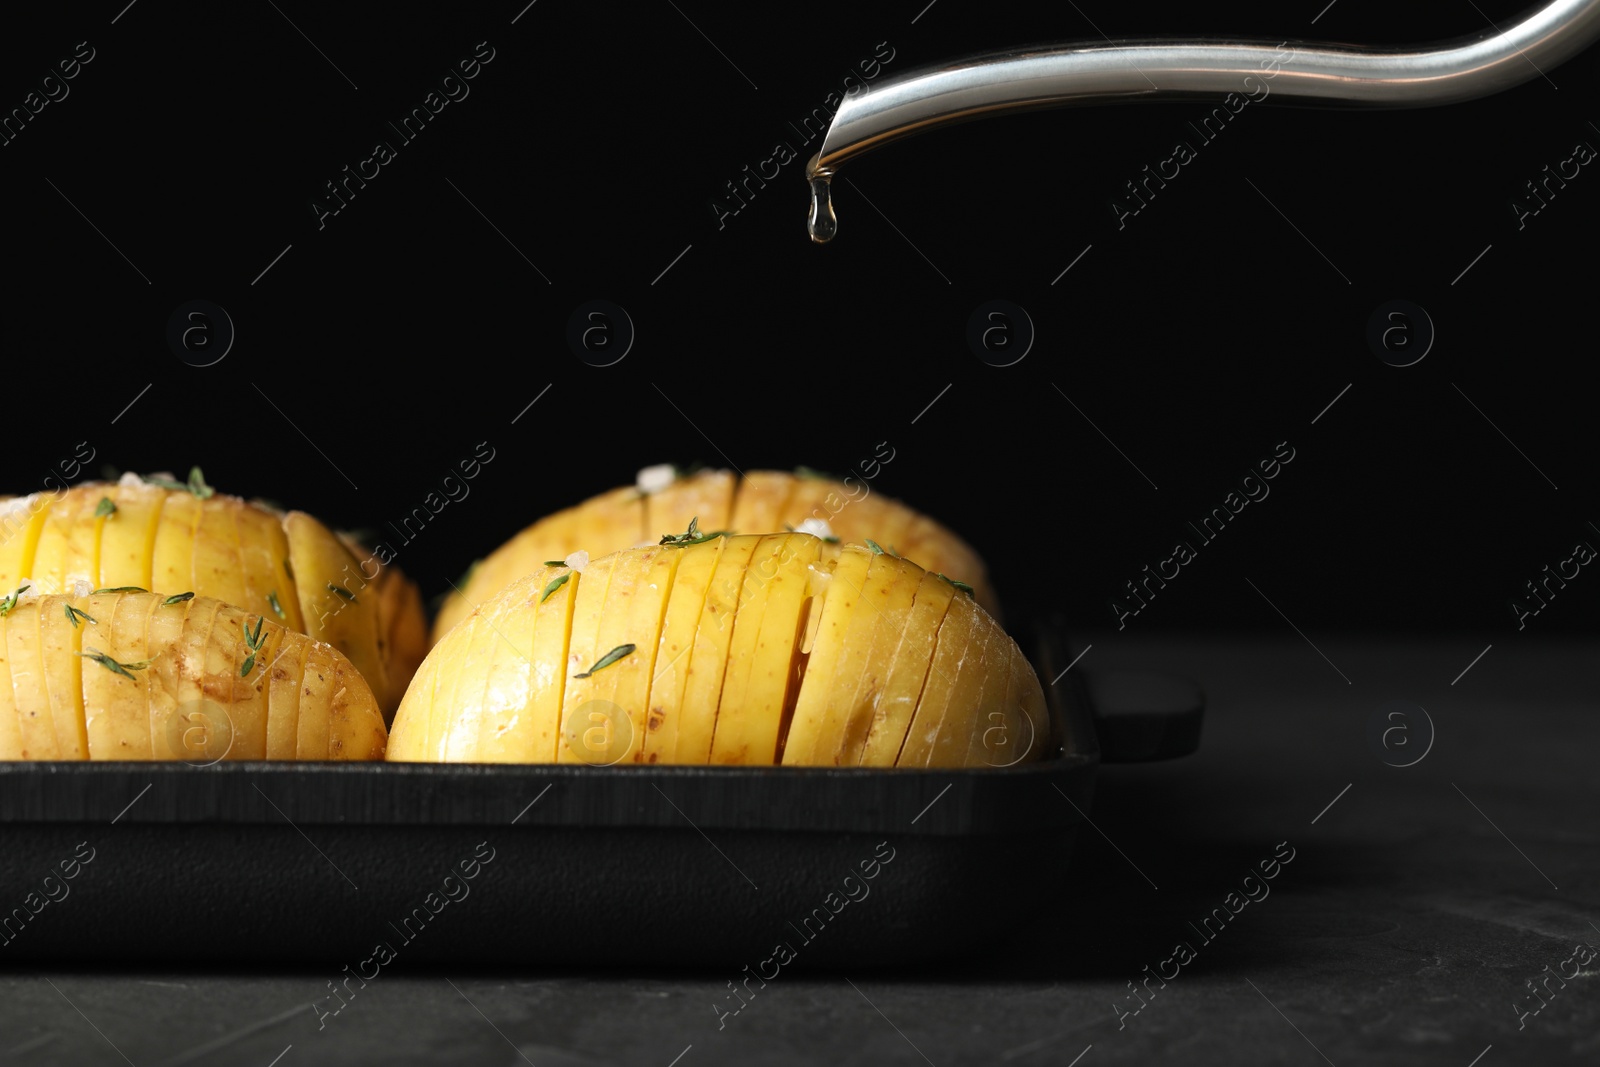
column 1140, row 716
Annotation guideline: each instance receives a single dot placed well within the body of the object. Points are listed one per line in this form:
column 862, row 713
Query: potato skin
column 174, row 541
column 144, row 676
column 762, row 502
column 802, row 653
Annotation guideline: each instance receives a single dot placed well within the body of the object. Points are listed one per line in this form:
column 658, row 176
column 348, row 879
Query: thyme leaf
column 112, row 665
column 620, row 652
column 555, row 583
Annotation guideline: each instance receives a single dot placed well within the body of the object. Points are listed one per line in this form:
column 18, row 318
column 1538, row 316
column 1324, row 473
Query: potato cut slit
column 708, row 658
column 283, row 702
column 683, row 613
column 81, row 709
column 584, row 645
column 798, row 661
column 919, row 720
column 147, row 570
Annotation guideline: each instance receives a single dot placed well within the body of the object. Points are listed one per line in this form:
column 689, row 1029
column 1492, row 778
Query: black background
column 1220, row 321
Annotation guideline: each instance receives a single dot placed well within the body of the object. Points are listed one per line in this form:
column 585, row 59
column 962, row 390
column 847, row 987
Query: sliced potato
column 761, row 502
column 143, row 676
column 739, row 649
column 132, row 534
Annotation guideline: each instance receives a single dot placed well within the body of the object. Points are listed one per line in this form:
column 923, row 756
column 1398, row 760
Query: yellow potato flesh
column 30, row 702
column 21, row 521
column 68, row 545
column 334, row 597
column 128, row 538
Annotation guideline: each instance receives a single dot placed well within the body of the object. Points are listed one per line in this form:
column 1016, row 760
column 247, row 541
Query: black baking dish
column 325, row 862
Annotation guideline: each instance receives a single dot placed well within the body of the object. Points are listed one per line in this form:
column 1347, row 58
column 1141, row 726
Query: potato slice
column 762, row 658
column 760, row 501
column 630, row 690
column 29, row 696
column 908, row 673
column 891, row 589
column 264, row 568
column 59, row 632
column 285, row 672
column 521, row 718
column 462, row 686
column 587, row 732
column 117, row 720
column 128, row 537
column 334, row 601
column 68, row 545
column 172, row 552
column 619, row 692
column 670, row 674
column 958, row 651
column 22, row 520
column 708, row 660
column 217, row 564
column 843, row 633
column 981, row 670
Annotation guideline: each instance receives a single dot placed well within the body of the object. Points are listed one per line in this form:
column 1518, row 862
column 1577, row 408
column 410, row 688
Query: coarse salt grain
column 815, row 527
column 656, row 478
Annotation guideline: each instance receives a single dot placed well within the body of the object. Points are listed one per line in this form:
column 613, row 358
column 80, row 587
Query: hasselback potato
column 758, row 503
column 744, row 649
column 171, row 537
column 118, row 675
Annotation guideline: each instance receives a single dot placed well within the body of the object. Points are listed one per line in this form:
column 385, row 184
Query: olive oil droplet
column 822, row 223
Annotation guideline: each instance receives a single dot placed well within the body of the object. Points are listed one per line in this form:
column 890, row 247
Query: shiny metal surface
column 1443, row 72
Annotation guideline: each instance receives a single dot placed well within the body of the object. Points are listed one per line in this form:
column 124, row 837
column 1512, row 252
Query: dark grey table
column 1419, row 904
